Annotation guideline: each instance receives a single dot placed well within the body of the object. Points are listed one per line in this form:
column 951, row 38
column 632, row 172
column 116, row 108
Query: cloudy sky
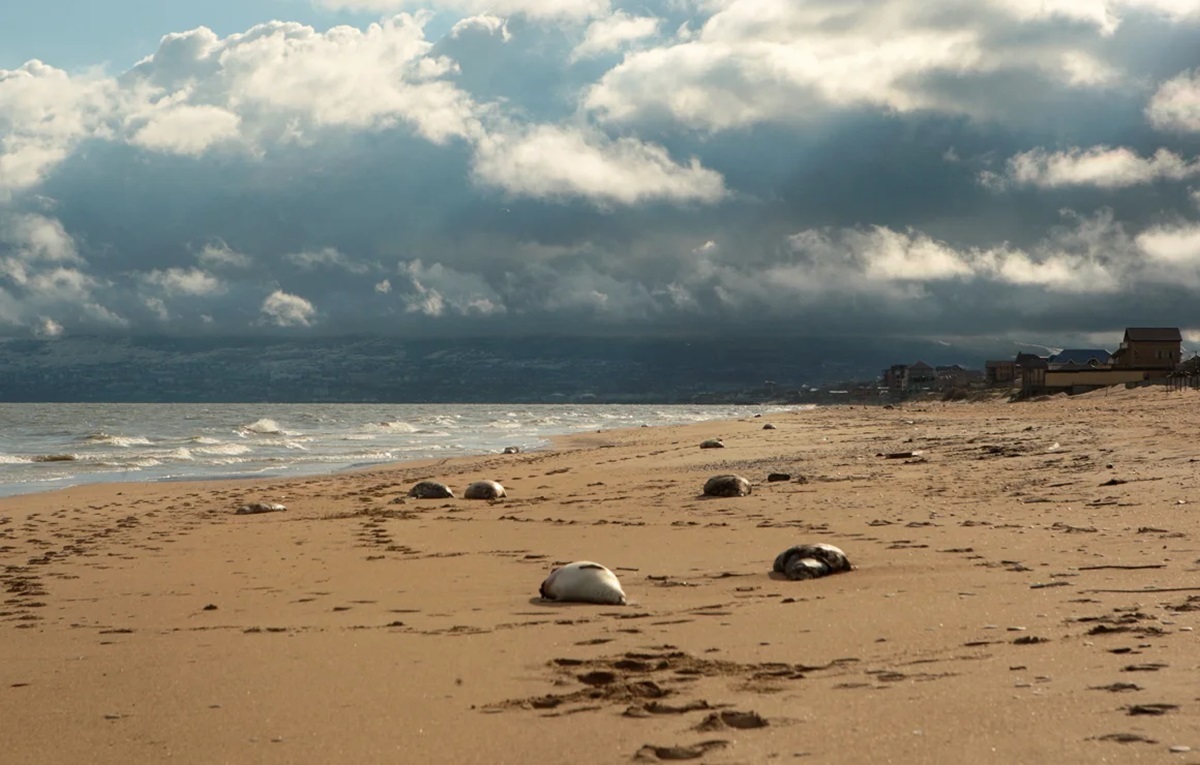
column 931, row 168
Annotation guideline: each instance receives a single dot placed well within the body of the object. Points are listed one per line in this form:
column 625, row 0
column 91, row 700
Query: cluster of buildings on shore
column 1146, row 354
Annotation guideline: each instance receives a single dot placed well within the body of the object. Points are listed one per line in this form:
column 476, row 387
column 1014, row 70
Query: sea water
column 51, row 446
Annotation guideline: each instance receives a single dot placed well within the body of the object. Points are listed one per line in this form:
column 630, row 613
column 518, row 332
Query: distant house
column 1026, row 362
column 921, row 375
column 1079, row 358
column 1152, row 348
column 1000, row 371
column 955, row 376
column 1146, row 353
column 904, row 377
column 894, row 377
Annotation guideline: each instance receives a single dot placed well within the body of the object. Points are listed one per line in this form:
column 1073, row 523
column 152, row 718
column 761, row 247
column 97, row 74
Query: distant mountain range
column 518, row 370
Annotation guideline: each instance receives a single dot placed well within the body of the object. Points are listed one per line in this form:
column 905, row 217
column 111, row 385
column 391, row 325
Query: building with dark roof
column 1151, row 348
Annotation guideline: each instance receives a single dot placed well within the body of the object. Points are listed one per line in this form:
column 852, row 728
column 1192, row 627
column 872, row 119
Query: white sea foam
column 265, row 427
column 109, row 439
column 9, row 459
column 224, row 450
column 394, row 426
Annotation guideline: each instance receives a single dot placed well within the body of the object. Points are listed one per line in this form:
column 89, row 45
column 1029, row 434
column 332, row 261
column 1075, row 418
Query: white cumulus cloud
column 553, row 162
column 614, row 32
column 286, row 310
column 551, row 10
column 1101, row 166
column 1175, row 105
column 179, row 281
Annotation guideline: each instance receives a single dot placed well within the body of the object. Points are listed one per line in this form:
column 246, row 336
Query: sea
column 52, row 446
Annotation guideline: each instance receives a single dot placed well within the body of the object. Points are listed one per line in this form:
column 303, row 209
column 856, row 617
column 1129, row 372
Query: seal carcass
column 430, row 490
column 727, row 486
column 583, row 582
column 484, row 490
column 811, row 561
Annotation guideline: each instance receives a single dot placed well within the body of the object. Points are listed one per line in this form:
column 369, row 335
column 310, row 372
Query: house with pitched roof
column 1149, row 348
column 1080, row 358
column 1146, row 353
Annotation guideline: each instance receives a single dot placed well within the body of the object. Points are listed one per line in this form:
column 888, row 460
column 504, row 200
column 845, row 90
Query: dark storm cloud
column 999, row 168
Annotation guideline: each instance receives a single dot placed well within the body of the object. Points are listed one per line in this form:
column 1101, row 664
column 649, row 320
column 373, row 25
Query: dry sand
column 1010, row 602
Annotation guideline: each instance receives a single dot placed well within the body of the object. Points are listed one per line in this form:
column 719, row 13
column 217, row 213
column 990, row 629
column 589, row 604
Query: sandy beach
column 1025, row 590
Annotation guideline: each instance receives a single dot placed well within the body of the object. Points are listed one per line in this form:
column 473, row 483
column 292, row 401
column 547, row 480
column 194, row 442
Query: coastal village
column 1145, row 356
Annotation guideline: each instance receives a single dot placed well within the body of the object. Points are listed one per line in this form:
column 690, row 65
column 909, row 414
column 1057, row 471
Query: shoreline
column 1006, row 580
column 327, row 459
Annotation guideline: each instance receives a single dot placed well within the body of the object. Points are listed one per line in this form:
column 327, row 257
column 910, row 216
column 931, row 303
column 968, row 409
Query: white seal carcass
column 484, row 490
column 583, row 582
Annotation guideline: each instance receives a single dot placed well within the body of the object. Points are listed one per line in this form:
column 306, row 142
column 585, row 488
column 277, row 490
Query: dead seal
column 712, row 443
column 430, row 490
column 254, row 508
column 583, row 582
column 484, row 490
column 727, row 486
column 811, row 561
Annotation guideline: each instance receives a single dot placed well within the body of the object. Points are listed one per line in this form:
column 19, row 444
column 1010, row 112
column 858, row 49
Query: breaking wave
column 265, row 427
column 109, row 439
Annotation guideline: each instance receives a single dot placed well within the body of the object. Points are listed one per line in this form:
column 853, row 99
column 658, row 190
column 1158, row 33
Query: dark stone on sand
column 773, row 477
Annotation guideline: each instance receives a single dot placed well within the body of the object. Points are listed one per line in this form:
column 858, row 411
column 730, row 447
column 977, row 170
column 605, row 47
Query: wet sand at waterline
column 1025, row 590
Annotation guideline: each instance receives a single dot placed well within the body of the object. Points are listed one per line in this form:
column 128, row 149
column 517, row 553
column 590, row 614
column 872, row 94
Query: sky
column 942, row 169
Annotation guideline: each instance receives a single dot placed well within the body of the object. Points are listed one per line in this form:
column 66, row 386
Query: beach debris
column 773, row 477
column 1151, row 709
column 728, row 485
column 430, row 490
column 512, row 450
column 899, row 455
column 1114, row 482
column 583, row 581
column 811, row 561
column 484, row 490
column 768, row 426
column 712, row 443
column 254, row 508
column 731, row 719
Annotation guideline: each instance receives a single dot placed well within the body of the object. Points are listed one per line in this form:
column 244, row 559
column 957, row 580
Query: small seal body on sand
column 512, row 450
column 712, row 443
column 768, row 426
column 727, row 486
column 583, row 582
column 484, row 490
column 811, row 561
column 430, row 490
column 254, row 508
